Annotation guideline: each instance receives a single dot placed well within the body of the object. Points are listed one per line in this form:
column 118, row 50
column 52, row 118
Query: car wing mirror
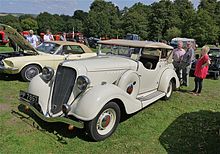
column 66, row 57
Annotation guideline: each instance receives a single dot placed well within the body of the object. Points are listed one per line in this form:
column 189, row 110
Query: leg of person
column 200, row 85
column 187, row 74
column 177, row 70
column 184, row 76
column 196, row 85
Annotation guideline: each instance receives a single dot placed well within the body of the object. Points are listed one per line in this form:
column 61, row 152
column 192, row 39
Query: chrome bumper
column 52, row 119
column 8, row 69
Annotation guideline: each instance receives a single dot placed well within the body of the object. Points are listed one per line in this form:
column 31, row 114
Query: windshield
column 214, row 52
column 48, row 47
column 118, row 50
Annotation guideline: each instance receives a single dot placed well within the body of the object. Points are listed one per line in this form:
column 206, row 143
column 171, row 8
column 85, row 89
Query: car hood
column 104, row 63
column 18, row 39
column 43, row 57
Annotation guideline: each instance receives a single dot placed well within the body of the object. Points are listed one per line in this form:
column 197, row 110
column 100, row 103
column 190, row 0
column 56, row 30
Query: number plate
column 32, row 98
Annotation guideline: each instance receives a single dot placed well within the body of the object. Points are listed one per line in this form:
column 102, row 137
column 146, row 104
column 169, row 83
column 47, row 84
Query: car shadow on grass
column 195, row 132
column 10, row 77
column 57, row 129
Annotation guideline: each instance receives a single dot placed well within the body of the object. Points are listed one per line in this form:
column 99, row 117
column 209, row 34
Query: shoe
column 192, row 91
column 196, row 94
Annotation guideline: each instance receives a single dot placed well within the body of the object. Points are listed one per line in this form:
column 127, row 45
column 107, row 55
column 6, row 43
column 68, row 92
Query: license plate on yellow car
column 30, row 97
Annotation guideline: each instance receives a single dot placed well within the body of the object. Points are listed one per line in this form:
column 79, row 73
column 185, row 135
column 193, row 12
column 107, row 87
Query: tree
column 103, row 19
column 205, row 30
column 11, row 21
column 28, row 24
column 172, row 33
column 135, row 20
column 186, row 14
column 163, row 16
column 53, row 22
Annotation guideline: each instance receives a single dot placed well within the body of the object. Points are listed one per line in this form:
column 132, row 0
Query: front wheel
column 105, row 123
column 29, row 72
column 169, row 91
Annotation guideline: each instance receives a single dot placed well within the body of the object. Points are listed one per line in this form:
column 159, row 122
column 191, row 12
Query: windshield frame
column 120, row 50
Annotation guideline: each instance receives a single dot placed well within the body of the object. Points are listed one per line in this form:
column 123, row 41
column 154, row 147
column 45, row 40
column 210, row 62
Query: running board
column 151, row 98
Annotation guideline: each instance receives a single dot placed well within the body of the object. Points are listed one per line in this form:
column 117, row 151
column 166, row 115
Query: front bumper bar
column 52, row 119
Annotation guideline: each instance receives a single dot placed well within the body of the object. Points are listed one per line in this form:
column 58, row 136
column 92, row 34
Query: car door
column 150, row 70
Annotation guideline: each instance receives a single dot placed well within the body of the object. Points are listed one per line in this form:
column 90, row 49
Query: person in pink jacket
column 201, row 70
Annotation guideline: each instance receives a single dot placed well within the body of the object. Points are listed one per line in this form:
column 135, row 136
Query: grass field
column 183, row 124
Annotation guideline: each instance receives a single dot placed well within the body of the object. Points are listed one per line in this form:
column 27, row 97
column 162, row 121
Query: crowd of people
column 182, row 61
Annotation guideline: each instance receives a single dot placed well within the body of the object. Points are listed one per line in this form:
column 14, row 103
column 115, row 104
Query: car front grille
column 63, row 86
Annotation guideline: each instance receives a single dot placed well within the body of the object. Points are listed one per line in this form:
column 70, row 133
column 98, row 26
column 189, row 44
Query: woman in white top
column 32, row 39
column 48, row 36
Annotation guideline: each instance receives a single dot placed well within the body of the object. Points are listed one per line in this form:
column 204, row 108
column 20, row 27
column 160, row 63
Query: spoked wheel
column 105, row 123
column 29, row 72
column 169, row 91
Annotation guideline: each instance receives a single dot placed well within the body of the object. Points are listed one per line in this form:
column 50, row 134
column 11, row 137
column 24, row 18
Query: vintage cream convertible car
column 95, row 93
column 29, row 61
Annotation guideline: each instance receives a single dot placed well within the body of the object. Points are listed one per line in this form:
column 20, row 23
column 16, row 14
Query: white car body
column 115, row 83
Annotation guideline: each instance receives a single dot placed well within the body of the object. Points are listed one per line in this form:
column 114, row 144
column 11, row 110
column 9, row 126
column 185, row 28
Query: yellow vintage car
column 29, row 61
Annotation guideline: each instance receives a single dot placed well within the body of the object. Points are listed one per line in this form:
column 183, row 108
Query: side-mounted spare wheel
column 105, row 123
column 169, row 90
column 30, row 71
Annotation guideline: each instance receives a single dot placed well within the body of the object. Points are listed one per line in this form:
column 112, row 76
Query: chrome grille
column 63, row 86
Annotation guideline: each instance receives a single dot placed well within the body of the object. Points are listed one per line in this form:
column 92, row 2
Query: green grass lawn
column 183, row 124
column 5, row 49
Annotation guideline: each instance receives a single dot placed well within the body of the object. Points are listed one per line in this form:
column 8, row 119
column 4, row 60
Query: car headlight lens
column 47, row 74
column 9, row 63
column 82, row 82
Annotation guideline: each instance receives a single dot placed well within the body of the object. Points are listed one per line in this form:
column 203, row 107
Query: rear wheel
column 29, row 72
column 216, row 75
column 169, row 91
column 105, row 123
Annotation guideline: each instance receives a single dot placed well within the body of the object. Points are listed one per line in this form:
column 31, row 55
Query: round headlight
column 82, row 82
column 47, row 74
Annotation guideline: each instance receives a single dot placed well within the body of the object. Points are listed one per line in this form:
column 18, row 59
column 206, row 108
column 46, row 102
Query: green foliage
column 172, row 33
column 28, row 24
column 47, row 21
column 205, row 29
column 103, row 19
column 11, row 21
column 135, row 20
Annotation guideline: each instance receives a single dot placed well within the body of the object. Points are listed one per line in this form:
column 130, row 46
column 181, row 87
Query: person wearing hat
column 186, row 62
column 32, row 39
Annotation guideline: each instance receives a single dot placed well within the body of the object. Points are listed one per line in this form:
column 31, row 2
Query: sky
column 66, row 7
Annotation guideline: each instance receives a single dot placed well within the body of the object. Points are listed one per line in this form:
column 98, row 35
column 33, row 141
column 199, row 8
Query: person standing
column 63, row 37
column 201, row 70
column 177, row 58
column 32, row 39
column 186, row 62
column 48, row 36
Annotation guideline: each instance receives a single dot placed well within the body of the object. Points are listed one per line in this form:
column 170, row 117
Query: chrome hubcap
column 31, row 72
column 106, row 121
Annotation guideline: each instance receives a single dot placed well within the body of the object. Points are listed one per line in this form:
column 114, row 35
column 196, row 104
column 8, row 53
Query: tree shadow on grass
column 60, row 130
column 195, row 132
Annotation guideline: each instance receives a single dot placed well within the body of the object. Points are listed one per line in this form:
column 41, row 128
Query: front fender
column 23, row 65
column 168, row 75
column 90, row 104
